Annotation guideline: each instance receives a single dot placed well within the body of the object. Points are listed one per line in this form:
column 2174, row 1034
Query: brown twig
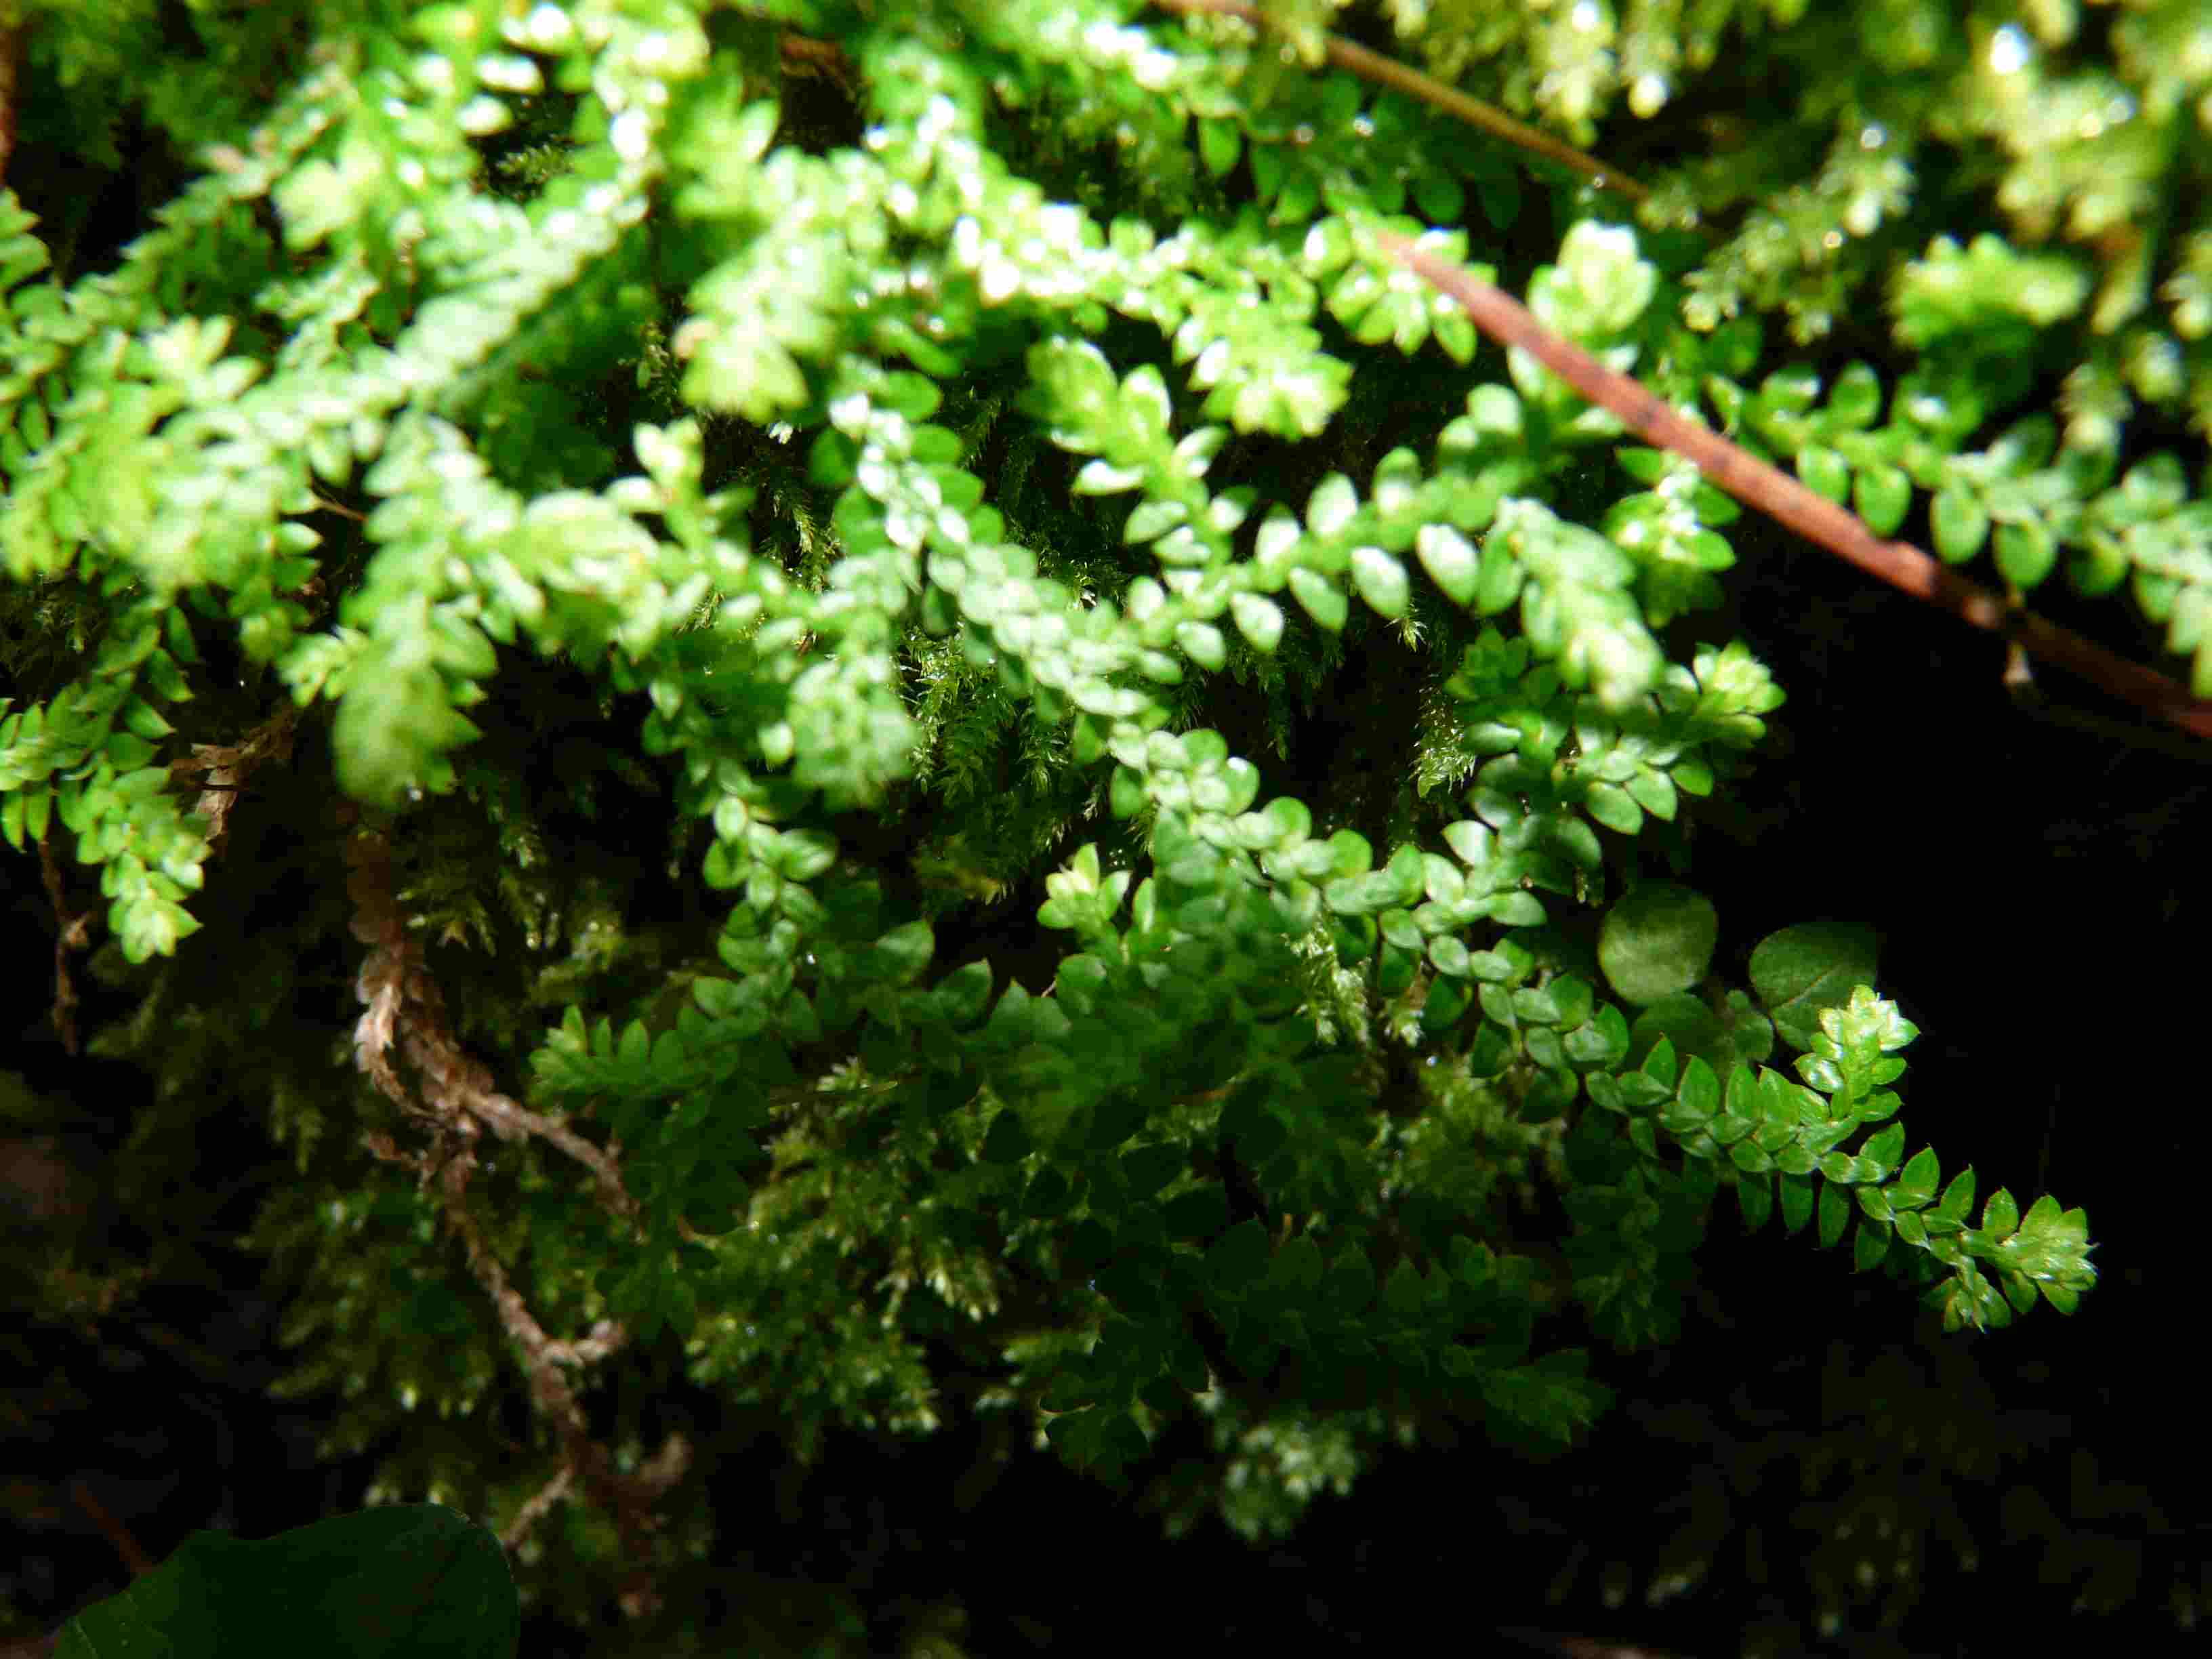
column 457, row 1099
column 1387, row 71
column 405, row 1004
column 630, row 1499
column 803, row 55
column 11, row 64
column 225, row 768
column 1789, row 502
column 126, row 1546
column 72, row 929
column 539, row 1504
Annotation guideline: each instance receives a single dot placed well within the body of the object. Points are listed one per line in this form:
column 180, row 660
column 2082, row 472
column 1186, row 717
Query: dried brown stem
column 630, row 1499
column 126, row 1544
column 404, row 1002
column 72, row 928
column 1387, row 71
column 226, row 769
column 539, row 1504
column 11, row 66
column 457, row 1100
column 1789, row 502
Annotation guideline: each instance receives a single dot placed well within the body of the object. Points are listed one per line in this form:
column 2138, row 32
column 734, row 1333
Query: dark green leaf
column 1797, row 1194
column 1755, row 1194
column 1801, row 971
column 1238, row 1258
column 1007, row 1140
column 1835, row 1215
column 1349, row 1285
column 1199, row 1213
column 1870, row 1247
column 1657, row 941
column 412, row 1580
column 962, row 995
column 1403, row 1292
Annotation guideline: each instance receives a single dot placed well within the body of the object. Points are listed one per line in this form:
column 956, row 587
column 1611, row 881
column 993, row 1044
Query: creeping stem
column 1389, row 72
column 1789, row 502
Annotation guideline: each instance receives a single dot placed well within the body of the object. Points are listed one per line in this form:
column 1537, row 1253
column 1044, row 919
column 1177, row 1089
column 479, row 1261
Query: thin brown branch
column 11, row 66
column 71, row 930
column 457, row 1099
column 226, row 769
column 1387, row 71
column 405, row 1003
column 803, row 55
column 1789, row 502
column 540, row 1503
column 628, row 1499
column 126, row 1546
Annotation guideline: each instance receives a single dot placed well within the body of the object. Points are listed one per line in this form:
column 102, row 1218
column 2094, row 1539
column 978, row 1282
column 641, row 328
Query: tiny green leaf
column 1324, row 599
column 1260, row 619
column 1381, row 580
column 1448, row 559
column 2025, row 552
column 1825, row 472
column 1960, row 522
column 1883, row 495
